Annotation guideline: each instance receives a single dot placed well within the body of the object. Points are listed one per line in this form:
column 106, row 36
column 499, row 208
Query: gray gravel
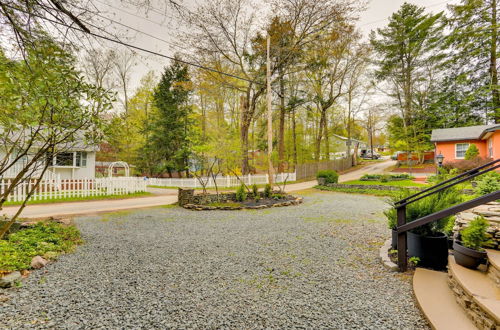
column 308, row 266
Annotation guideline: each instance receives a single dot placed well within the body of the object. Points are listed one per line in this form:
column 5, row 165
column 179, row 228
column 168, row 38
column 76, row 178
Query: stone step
column 494, row 266
column 437, row 302
column 476, row 293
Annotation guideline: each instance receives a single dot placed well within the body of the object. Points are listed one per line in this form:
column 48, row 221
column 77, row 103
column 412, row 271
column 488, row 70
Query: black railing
column 403, row 227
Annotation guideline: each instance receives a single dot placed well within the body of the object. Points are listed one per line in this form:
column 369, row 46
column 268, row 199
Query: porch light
column 439, row 159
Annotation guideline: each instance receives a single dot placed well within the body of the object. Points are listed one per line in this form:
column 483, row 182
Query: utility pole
column 269, row 115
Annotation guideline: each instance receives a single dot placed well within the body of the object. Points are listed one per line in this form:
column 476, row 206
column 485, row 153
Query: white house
column 77, row 162
column 339, row 143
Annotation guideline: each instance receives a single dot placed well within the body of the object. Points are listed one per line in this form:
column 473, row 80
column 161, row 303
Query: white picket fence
column 222, row 181
column 61, row 189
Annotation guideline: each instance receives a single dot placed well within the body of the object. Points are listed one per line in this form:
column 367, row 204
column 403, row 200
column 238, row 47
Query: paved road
column 161, row 197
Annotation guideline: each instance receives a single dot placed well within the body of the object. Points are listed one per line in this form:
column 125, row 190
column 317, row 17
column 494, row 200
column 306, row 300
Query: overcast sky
column 161, row 26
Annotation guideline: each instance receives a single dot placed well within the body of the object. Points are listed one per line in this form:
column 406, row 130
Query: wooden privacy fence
column 222, row 181
column 61, row 189
column 309, row 170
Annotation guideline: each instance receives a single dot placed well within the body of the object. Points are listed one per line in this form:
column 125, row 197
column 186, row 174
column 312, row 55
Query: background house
column 77, row 162
column 452, row 143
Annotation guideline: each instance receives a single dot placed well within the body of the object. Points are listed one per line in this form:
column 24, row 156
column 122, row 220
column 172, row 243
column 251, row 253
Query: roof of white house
column 461, row 133
column 345, row 138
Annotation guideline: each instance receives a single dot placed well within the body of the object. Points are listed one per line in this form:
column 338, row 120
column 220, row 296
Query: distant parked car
column 368, row 155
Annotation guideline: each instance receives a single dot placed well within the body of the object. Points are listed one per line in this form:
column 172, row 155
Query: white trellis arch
column 118, row 164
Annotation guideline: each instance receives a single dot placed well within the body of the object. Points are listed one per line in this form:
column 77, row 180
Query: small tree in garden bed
column 241, row 194
column 46, row 108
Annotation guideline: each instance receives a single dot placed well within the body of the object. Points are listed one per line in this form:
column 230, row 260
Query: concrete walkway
column 161, row 197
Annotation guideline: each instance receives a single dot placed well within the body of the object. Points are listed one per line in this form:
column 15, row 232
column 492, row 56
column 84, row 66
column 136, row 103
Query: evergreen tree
column 409, row 58
column 170, row 130
column 475, row 43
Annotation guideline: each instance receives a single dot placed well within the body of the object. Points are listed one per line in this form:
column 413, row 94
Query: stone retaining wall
column 490, row 212
column 480, row 318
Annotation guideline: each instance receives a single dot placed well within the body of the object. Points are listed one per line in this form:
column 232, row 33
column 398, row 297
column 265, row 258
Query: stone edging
column 384, row 256
column 198, row 207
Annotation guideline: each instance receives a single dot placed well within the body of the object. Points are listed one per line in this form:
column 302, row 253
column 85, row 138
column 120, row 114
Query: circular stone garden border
column 199, row 207
column 190, row 201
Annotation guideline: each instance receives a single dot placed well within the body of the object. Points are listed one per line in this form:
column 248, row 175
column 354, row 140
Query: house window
column 81, row 159
column 64, row 159
column 460, row 150
column 490, row 148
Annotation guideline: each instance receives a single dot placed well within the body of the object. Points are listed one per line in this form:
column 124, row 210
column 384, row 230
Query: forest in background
column 208, row 107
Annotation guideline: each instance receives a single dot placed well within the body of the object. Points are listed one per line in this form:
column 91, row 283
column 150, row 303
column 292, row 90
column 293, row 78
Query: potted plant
column 392, row 223
column 327, row 176
column 429, row 242
column 468, row 251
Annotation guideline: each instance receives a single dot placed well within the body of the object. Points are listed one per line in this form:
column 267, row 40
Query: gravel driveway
column 308, row 266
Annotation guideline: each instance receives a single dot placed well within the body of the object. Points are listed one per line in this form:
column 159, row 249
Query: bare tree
column 123, row 62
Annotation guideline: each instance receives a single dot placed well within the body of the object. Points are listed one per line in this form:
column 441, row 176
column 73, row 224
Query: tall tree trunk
column 327, row 140
column 244, row 127
column 319, row 137
column 281, row 131
column 294, row 138
column 493, row 63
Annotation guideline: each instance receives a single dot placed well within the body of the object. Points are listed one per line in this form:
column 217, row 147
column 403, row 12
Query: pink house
column 452, row 143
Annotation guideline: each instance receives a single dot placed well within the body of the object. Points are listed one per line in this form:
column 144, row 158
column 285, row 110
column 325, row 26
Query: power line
column 137, row 47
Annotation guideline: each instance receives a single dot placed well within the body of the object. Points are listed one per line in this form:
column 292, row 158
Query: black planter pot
column 394, row 243
column 467, row 257
column 431, row 250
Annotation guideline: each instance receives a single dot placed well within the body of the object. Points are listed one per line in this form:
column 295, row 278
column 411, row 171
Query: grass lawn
column 79, row 199
column 398, row 183
column 374, row 192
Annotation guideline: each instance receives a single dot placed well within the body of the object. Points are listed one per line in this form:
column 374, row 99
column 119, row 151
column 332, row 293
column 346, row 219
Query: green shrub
column 241, row 193
column 268, row 191
column 44, row 239
column 255, row 190
column 386, row 177
column 474, row 236
column 330, row 176
column 371, row 177
column 277, row 196
column 423, row 207
column 448, row 228
column 472, row 152
column 488, row 183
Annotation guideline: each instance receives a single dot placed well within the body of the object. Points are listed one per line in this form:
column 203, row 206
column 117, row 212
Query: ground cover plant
column 347, row 189
column 386, row 177
column 399, row 183
column 46, row 239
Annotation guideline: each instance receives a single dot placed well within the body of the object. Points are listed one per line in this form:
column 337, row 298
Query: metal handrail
column 447, row 186
column 449, row 211
column 470, row 174
column 400, row 206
